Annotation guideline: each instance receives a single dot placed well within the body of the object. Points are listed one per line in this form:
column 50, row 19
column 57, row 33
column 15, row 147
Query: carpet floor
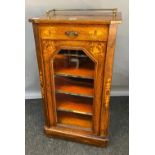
column 36, row 142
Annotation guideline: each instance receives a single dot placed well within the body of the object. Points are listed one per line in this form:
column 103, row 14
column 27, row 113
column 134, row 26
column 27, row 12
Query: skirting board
column 115, row 91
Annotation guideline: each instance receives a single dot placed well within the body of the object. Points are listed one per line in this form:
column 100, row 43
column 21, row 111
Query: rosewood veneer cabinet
column 75, row 51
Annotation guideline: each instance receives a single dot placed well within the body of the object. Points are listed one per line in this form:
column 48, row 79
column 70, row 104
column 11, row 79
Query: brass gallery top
column 90, row 16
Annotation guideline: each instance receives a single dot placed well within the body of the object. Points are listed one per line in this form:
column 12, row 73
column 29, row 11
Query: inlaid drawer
column 74, row 32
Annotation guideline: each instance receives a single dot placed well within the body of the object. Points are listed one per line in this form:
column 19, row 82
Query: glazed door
column 74, row 80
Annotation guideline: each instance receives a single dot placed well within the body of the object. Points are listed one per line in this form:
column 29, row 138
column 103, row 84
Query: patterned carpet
column 38, row 144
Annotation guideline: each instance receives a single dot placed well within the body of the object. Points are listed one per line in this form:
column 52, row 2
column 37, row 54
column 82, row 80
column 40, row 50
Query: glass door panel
column 74, row 88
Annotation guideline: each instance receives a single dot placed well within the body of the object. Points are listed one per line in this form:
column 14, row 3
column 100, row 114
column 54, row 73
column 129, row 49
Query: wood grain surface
column 69, row 103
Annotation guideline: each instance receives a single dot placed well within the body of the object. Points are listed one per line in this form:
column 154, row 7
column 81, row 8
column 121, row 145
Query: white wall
column 121, row 63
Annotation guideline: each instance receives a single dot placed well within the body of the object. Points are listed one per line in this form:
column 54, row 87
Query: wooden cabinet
column 75, row 56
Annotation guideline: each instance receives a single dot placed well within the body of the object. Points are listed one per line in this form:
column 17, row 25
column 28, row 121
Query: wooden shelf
column 72, row 104
column 73, row 87
column 74, row 120
column 76, row 72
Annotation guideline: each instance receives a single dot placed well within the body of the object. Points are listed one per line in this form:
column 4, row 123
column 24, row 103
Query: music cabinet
column 75, row 51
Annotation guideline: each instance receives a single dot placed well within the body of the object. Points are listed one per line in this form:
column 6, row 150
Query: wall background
column 120, row 83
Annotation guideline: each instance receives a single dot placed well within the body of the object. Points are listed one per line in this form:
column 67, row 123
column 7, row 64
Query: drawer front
column 74, row 32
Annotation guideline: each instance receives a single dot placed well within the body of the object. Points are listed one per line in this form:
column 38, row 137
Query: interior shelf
column 73, row 72
column 72, row 104
column 74, row 87
column 72, row 119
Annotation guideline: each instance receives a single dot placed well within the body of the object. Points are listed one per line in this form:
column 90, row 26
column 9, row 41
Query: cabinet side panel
column 107, row 80
column 41, row 71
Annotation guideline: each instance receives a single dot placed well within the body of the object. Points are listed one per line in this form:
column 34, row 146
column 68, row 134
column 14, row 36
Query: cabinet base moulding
column 59, row 132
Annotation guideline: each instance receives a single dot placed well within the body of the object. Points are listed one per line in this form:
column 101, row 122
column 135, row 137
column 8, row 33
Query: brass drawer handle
column 71, row 34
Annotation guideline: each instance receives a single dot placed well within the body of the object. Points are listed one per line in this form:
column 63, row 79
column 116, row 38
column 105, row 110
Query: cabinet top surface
column 81, row 17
